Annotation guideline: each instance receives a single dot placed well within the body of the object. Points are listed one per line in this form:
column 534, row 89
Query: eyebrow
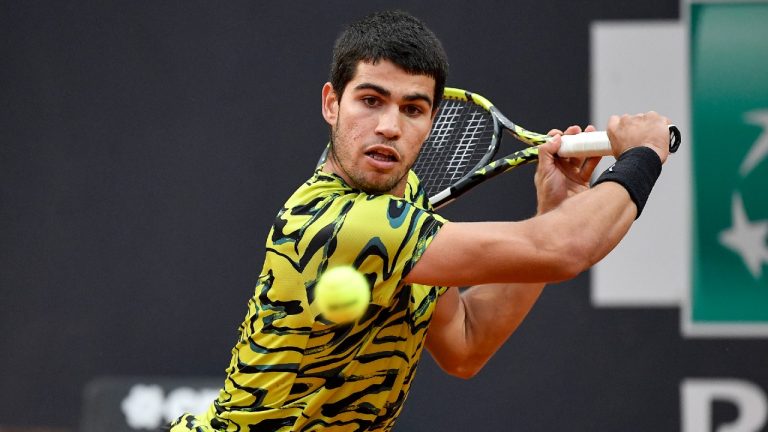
column 384, row 92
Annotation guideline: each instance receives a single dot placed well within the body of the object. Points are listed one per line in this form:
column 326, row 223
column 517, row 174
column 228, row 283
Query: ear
column 330, row 104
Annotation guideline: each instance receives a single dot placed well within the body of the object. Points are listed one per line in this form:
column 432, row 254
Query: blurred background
column 145, row 148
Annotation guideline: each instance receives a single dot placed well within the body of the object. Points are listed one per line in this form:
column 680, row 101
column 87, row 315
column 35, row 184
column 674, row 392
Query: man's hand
column 650, row 130
column 559, row 178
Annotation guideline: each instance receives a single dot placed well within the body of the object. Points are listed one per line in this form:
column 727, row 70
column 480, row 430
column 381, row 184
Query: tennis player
column 291, row 370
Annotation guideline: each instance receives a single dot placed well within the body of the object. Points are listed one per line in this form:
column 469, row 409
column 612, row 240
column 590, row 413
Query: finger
column 551, row 147
column 554, row 132
column 573, row 168
column 589, row 167
column 547, row 158
column 573, row 130
column 577, row 162
column 590, row 128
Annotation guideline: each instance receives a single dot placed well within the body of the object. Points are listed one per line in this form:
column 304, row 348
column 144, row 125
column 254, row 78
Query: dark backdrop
column 146, row 146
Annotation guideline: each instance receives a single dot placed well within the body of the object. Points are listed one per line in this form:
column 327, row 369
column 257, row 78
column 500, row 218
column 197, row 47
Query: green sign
column 729, row 93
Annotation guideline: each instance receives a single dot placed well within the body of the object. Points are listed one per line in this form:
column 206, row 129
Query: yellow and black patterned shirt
column 293, row 371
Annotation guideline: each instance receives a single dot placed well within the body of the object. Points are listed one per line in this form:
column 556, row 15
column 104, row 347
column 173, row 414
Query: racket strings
column 461, row 137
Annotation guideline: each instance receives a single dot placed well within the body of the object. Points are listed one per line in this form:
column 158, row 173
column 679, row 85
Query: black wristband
column 637, row 170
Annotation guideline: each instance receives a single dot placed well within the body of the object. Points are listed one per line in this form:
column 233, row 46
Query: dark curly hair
column 391, row 35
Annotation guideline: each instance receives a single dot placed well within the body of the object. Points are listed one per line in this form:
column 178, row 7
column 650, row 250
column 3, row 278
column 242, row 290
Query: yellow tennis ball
column 342, row 294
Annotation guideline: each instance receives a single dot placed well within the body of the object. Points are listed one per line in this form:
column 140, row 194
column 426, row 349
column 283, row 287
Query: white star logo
column 746, row 238
column 759, row 149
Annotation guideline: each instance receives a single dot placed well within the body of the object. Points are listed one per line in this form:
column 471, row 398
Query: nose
column 389, row 123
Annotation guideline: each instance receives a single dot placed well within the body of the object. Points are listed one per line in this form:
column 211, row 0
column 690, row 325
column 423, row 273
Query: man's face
column 378, row 126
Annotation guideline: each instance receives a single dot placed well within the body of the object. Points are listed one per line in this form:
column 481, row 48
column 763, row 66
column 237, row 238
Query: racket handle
column 588, row 144
column 585, row 144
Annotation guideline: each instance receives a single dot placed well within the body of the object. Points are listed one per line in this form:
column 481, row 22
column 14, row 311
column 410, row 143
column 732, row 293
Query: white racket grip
column 585, row 144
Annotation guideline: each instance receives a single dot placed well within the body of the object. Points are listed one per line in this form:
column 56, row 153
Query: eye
column 413, row 110
column 370, row 101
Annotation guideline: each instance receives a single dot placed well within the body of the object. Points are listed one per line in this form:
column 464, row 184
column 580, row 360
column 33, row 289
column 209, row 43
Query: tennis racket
column 465, row 137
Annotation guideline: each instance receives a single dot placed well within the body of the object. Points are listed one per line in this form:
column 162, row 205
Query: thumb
column 548, row 150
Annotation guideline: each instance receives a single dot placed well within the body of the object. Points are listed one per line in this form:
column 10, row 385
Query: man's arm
column 468, row 328
column 557, row 244
column 567, row 237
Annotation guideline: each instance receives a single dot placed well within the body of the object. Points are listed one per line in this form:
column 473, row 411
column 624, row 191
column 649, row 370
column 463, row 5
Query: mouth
column 382, row 153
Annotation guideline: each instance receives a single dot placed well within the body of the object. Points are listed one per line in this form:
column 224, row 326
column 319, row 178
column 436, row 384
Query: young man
column 291, row 369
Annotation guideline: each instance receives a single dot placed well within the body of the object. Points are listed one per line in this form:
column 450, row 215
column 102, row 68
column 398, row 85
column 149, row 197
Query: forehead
column 392, row 77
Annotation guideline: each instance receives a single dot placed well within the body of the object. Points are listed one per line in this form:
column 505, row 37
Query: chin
column 377, row 187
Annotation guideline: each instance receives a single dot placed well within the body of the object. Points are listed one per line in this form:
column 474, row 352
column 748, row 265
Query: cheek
column 343, row 132
column 423, row 134
column 413, row 151
column 426, row 133
column 424, row 127
column 353, row 127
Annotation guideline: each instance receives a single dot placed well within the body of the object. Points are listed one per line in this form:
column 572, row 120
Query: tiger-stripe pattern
column 291, row 369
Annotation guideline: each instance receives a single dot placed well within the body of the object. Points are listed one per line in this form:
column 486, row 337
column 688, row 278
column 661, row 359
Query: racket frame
column 486, row 168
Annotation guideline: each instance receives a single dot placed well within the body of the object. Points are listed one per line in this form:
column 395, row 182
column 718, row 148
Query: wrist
column 636, row 170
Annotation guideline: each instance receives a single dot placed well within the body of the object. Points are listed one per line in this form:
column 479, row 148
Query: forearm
column 476, row 324
column 588, row 226
column 552, row 247
column 493, row 313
